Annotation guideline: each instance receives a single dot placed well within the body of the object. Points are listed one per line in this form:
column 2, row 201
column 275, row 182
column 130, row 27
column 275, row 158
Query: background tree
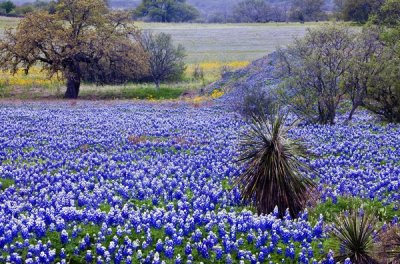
column 307, row 10
column 313, row 68
column 357, row 10
column 79, row 32
column 166, row 60
column 250, row 11
column 384, row 88
column 365, row 64
column 388, row 18
column 166, row 11
column 7, row 7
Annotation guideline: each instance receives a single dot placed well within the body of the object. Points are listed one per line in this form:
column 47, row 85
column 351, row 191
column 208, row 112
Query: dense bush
column 7, row 7
column 257, row 102
column 357, row 10
column 307, row 10
column 251, row 11
column 384, row 91
column 166, row 11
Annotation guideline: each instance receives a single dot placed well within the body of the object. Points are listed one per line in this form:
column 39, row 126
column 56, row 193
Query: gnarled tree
column 78, row 32
column 365, row 65
column 313, row 69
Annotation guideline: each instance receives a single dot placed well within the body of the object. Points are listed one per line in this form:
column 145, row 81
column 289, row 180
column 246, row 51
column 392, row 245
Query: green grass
column 135, row 91
column 229, row 42
column 5, row 183
column 331, row 211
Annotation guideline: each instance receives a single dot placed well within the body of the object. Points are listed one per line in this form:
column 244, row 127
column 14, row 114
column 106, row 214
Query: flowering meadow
column 153, row 183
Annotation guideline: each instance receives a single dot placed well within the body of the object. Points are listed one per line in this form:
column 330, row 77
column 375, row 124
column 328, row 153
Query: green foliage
column 251, row 11
column 330, row 210
column 312, row 69
column 354, row 231
column 384, row 90
column 364, row 66
column 389, row 13
column 307, row 10
column 274, row 175
column 141, row 92
column 38, row 5
column 357, row 10
column 166, row 11
column 6, row 7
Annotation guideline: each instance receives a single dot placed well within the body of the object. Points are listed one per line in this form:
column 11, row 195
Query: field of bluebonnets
column 152, row 183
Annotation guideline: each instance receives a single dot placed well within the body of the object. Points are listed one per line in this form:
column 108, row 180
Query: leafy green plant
column 274, row 174
column 354, row 231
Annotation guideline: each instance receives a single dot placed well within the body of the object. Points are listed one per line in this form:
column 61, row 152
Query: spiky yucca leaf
column 354, row 231
column 274, row 176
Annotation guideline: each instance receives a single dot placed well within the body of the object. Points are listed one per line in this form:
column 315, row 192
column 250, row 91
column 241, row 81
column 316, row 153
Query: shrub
column 257, row 102
column 198, row 73
column 274, row 175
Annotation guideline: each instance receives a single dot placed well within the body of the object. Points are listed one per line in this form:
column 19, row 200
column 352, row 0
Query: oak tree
column 79, row 32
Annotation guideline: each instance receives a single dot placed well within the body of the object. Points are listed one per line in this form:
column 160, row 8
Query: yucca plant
column 274, row 175
column 355, row 233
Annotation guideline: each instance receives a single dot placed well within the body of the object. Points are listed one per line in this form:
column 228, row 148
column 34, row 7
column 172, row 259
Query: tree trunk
column 327, row 112
column 73, row 83
column 72, row 88
column 157, row 84
column 353, row 109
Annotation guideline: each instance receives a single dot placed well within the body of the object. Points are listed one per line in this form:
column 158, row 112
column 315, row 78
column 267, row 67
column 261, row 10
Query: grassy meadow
column 210, row 47
column 229, row 42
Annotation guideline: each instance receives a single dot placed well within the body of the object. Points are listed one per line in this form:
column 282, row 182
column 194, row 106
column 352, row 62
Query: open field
column 132, row 181
column 221, row 42
column 230, row 42
column 7, row 22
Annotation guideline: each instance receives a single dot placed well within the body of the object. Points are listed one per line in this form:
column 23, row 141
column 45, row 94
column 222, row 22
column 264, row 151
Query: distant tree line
column 244, row 11
column 9, row 8
column 234, row 11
